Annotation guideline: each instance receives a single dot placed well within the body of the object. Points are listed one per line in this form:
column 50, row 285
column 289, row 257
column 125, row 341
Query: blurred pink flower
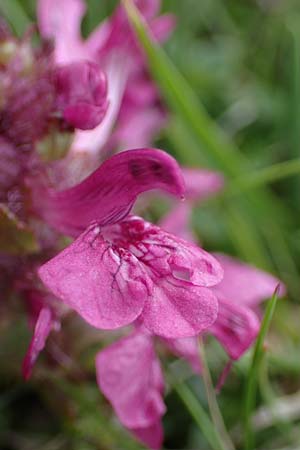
column 134, row 109
column 81, row 94
column 129, row 375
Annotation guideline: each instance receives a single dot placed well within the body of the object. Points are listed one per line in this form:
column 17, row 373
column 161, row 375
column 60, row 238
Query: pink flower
column 121, row 269
column 129, row 375
column 113, row 46
column 134, row 269
column 81, row 94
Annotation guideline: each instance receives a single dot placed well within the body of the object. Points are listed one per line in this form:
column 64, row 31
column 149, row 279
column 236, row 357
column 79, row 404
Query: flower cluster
column 71, row 112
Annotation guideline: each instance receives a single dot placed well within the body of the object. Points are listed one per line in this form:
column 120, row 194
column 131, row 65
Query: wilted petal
column 244, row 284
column 81, row 94
column 41, row 332
column 178, row 309
column 129, row 375
column 105, row 284
column 236, row 327
column 108, row 194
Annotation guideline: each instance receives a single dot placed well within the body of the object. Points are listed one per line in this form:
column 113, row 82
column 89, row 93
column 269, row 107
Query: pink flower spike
column 134, row 269
column 82, row 94
column 244, row 284
column 41, row 332
column 109, row 193
column 129, row 375
column 236, row 328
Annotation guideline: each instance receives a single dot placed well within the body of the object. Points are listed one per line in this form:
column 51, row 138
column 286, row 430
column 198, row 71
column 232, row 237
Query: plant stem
column 251, row 384
column 197, row 412
column 212, row 401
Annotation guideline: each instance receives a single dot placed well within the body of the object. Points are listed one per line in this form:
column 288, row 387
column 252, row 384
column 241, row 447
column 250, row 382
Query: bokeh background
column 241, row 60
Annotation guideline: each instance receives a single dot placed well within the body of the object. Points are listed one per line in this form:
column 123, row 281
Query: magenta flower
column 134, row 109
column 121, row 269
column 81, row 94
column 129, row 375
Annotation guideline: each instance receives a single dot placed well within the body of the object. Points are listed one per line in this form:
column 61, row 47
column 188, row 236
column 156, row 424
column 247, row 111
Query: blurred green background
column 237, row 112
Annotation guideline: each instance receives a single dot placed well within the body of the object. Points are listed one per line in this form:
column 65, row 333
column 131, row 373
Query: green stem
column 264, row 176
column 251, row 385
column 198, row 413
column 212, row 401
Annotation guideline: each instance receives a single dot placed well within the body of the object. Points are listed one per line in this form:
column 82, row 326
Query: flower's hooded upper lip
column 107, row 195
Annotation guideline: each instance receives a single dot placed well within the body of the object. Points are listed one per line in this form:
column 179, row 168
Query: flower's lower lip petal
column 179, row 310
column 236, row 328
column 129, row 375
column 107, row 289
column 151, row 436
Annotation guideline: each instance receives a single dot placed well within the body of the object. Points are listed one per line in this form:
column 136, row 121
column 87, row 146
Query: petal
column 245, row 284
column 105, row 285
column 187, row 261
column 151, row 436
column 52, row 22
column 236, row 328
column 164, row 254
column 186, row 348
column 42, row 330
column 178, row 309
column 108, row 194
column 201, row 183
column 129, row 375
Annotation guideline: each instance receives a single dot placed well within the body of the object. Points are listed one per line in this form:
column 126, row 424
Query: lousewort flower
column 122, row 268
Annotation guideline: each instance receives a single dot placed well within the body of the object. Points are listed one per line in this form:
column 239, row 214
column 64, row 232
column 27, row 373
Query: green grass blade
column 183, row 101
column 15, row 15
column 197, row 412
column 252, row 380
column 212, row 401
